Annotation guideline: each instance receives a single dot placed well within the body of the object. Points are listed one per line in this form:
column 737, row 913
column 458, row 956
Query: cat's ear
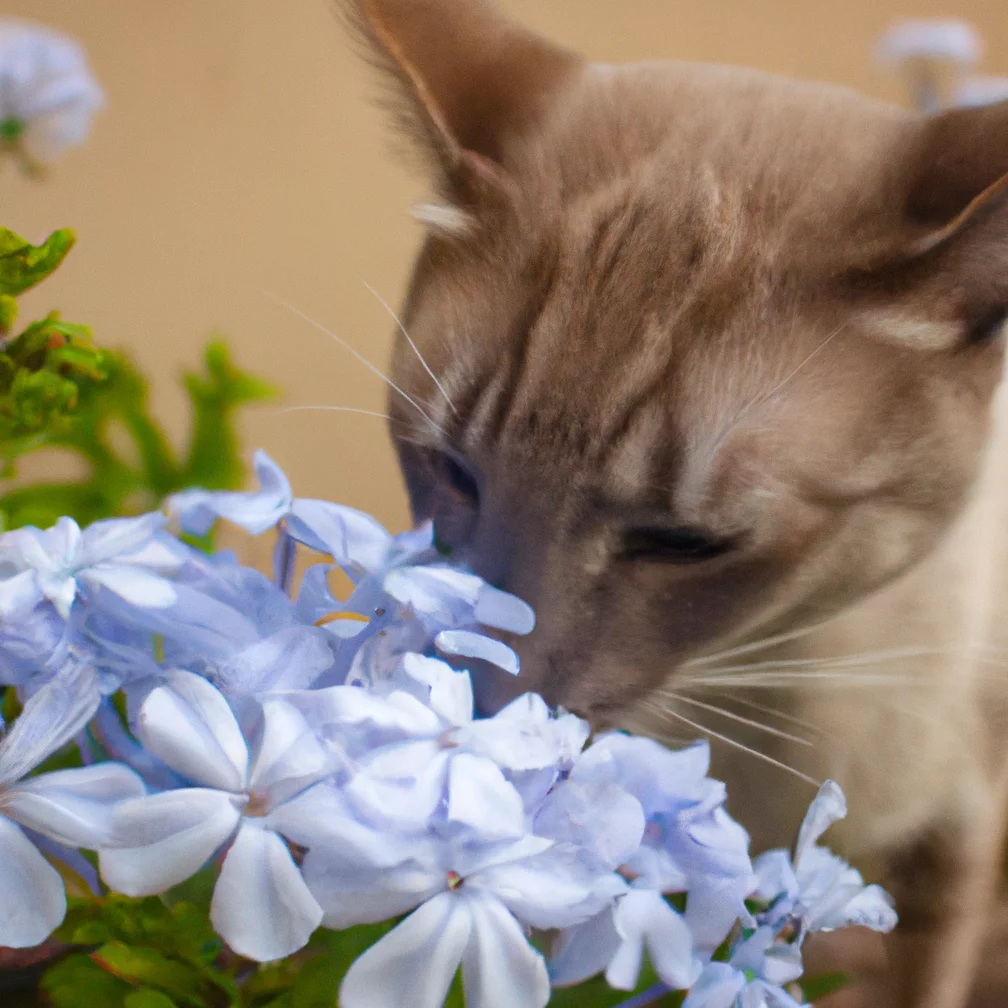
column 468, row 80
column 952, row 256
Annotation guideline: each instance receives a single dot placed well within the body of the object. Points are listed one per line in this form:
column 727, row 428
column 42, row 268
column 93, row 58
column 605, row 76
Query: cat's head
column 711, row 353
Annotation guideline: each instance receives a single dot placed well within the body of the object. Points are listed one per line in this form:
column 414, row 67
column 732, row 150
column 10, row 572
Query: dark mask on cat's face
column 714, row 351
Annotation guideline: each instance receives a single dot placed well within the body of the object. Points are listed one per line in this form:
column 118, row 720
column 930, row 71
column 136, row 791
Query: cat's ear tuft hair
column 467, row 81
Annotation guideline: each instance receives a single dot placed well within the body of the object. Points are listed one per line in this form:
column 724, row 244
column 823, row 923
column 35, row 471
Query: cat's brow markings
column 542, row 276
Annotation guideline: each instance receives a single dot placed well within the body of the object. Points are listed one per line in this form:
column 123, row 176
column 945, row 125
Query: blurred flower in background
column 48, row 95
column 936, row 57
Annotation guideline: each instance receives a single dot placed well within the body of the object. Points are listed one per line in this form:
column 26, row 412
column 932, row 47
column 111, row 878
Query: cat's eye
column 681, row 545
column 459, row 477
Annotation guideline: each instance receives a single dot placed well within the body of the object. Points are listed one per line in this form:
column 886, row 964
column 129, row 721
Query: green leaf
column 147, row 997
column 213, row 460
column 148, row 966
column 22, row 265
column 77, row 980
column 8, row 313
column 823, row 984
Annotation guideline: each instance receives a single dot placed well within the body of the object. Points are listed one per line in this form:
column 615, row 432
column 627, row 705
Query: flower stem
column 283, row 560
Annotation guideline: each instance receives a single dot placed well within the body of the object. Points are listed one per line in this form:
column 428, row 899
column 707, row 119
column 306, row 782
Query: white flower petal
column 290, row 756
column 599, row 818
column 49, row 719
column 354, row 540
column 480, row 799
column 871, row 908
column 415, row 962
column 292, row 658
column 350, row 894
column 256, row 512
column 504, row 611
column 109, row 540
column 718, row 987
column 320, row 818
column 552, row 890
column 584, row 950
column 19, row 595
column 189, row 725
column 828, row 807
column 775, row 876
column 474, row 645
column 450, row 695
column 166, row 838
column 397, row 715
column 644, row 919
column 44, row 551
column 401, row 786
column 445, row 593
column 261, row 906
column 975, row 92
column 930, row 38
column 132, row 584
column 500, row 969
column 32, row 901
column 73, row 807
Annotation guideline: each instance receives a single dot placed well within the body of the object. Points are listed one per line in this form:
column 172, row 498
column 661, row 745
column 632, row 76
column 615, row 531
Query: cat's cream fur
column 670, row 296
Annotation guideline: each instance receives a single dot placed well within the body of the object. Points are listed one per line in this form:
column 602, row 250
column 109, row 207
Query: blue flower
column 247, row 802
column 71, row 807
column 816, row 890
column 56, row 564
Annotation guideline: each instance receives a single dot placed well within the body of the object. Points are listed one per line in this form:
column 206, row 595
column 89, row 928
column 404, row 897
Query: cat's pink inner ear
column 470, row 80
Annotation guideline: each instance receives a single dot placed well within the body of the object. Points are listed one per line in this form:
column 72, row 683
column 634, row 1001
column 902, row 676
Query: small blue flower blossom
column 333, row 767
column 55, row 564
column 261, row 905
column 816, row 890
column 71, row 807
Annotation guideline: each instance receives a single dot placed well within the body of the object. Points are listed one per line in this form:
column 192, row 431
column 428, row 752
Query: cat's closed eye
column 680, row 545
column 457, row 476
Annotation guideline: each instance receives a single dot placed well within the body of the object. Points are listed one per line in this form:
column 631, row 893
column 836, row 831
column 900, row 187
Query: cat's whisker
column 748, row 407
column 417, row 442
column 732, row 716
column 734, row 743
column 335, row 409
column 359, row 356
column 797, row 680
column 759, row 645
column 790, row 377
column 775, row 712
column 842, row 661
column 413, row 346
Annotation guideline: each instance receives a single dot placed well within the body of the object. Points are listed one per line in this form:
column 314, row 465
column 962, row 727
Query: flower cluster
column 48, row 95
column 326, row 757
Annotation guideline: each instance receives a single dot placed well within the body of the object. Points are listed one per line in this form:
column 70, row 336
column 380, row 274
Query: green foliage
column 814, row 988
column 58, row 390
column 156, row 955
column 22, row 265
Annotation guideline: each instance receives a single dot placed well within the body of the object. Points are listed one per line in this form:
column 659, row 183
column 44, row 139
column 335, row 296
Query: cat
column 703, row 363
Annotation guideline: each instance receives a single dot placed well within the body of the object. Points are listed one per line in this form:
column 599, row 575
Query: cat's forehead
column 647, row 307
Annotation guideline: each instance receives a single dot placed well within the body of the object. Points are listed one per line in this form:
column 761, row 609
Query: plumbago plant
column 59, row 391
column 222, row 788
column 289, row 794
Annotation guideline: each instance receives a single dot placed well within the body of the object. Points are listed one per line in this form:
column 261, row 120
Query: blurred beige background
column 239, row 153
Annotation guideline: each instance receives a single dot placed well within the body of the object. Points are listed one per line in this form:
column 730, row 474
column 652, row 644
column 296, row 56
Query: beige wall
column 238, row 154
